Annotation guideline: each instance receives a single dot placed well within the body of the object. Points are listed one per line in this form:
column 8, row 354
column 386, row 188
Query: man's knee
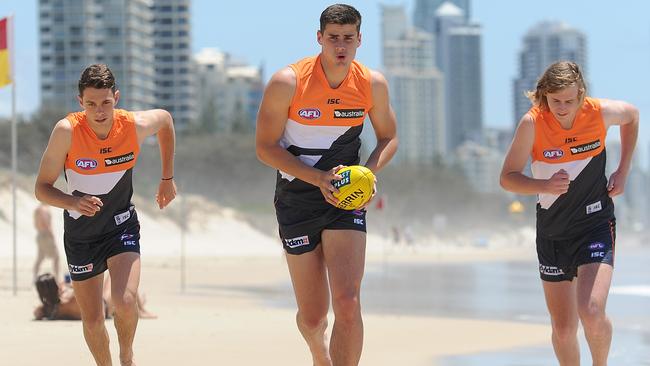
column 125, row 302
column 311, row 320
column 592, row 314
column 347, row 307
column 93, row 322
column 565, row 331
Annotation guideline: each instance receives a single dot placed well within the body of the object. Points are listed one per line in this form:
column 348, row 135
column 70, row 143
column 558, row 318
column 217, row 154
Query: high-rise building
column 424, row 13
column 229, row 92
column 146, row 43
column 481, row 166
column 416, row 88
column 544, row 44
column 76, row 33
column 458, row 57
column 173, row 60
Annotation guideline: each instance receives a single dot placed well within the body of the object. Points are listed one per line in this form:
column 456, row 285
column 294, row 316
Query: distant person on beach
column 97, row 149
column 308, row 127
column 564, row 133
column 58, row 302
column 46, row 246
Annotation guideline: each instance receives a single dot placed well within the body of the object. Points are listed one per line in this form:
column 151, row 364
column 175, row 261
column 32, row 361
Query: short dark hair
column 97, row 76
column 340, row 14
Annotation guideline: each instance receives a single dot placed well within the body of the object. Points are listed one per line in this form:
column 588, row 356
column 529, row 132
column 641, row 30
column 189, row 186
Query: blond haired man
column 564, row 134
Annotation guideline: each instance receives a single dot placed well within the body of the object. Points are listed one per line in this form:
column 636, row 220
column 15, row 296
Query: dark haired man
column 97, row 149
column 308, row 127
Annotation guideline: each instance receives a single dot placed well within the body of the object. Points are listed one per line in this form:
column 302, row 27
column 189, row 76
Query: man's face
column 339, row 43
column 99, row 104
column 564, row 103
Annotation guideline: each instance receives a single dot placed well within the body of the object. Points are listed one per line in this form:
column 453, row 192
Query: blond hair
column 560, row 75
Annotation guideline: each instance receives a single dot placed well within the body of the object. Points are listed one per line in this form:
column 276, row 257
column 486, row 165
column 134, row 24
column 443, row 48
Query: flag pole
column 14, row 149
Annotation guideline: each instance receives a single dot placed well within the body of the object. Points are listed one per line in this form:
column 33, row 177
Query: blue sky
column 276, row 33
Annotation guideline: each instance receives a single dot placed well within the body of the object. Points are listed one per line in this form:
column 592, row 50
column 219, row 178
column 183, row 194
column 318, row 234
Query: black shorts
column 300, row 229
column 88, row 258
column 559, row 259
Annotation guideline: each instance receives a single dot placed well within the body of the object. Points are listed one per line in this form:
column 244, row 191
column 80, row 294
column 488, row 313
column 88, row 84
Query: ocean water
column 512, row 291
column 497, row 290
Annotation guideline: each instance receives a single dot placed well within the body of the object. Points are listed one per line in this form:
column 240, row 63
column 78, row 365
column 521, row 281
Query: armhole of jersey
column 371, row 102
column 532, row 116
column 297, row 85
column 131, row 120
column 67, row 154
column 599, row 109
column 73, row 127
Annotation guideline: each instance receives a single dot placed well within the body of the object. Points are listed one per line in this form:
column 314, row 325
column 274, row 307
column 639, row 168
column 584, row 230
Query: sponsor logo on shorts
column 594, row 207
column 309, row 113
column 122, row 217
column 358, row 221
column 349, row 113
column 127, row 240
column 116, row 160
column 358, row 212
column 598, row 255
column 593, row 145
column 74, row 269
column 300, row 241
column 550, row 270
column 553, row 153
column 86, row 164
column 596, row 245
column 345, row 180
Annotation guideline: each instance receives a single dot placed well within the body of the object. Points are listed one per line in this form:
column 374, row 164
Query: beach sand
column 216, row 323
column 228, row 313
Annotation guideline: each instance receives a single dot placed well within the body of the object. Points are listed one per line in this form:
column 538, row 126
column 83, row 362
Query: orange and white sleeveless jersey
column 580, row 151
column 324, row 124
column 101, row 168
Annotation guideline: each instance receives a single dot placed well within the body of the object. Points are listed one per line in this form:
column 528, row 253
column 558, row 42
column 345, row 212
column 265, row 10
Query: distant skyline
column 277, row 33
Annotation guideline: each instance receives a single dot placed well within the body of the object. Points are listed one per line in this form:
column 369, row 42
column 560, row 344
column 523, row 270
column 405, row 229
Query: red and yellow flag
column 5, row 60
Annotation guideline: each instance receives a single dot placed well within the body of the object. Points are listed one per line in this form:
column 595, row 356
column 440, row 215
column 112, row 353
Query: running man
column 46, row 246
column 98, row 148
column 308, row 127
column 564, row 134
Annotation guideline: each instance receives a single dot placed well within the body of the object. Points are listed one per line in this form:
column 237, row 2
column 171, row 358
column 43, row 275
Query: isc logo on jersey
column 309, row 113
column 86, row 164
column 553, row 153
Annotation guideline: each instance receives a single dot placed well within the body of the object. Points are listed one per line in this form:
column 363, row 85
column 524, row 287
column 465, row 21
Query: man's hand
column 88, row 205
column 372, row 197
column 616, row 184
column 558, row 183
column 325, row 184
column 166, row 193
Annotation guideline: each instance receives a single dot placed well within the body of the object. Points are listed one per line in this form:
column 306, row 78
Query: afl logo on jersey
column 309, row 113
column 553, row 153
column 86, row 164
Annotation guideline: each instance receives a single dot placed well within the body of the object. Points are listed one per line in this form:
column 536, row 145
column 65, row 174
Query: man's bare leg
column 89, row 298
column 310, row 286
column 561, row 300
column 345, row 252
column 124, row 270
column 594, row 280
